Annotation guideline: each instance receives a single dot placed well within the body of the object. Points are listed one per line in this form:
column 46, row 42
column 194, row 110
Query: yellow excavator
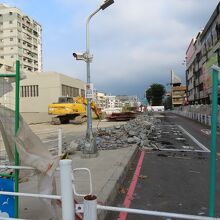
column 71, row 110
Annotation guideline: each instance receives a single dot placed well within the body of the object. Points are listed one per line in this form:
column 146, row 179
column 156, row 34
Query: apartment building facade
column 201, row 54
column 20, row 39
column 112, row 102
column 100, row 99
column 178, row 95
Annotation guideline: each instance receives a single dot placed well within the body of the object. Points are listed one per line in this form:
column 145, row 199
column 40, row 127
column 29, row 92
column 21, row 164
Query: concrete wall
column 50, row 88
column 34, row 109
column 49, row 91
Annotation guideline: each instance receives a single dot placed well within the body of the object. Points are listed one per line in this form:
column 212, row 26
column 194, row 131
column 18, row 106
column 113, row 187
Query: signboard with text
column 89, row 90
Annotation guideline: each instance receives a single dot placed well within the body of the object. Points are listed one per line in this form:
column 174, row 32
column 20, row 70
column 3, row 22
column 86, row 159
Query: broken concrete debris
column 134, row 133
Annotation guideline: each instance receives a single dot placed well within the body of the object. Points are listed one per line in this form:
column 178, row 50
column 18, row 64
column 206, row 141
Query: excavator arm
column 83, row 100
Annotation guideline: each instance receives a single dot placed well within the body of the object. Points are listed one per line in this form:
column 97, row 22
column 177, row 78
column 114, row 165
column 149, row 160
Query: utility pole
column 90, row 148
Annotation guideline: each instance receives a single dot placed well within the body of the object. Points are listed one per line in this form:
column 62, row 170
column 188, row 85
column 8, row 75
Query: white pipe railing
column 90, row 207
column 154, row 213
column 60, row 141
column 68, row 212
column 16, row 167
column 66, row 190
column 2, row 218
column 30, row 195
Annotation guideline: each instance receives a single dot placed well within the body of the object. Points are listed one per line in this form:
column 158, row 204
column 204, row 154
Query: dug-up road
column 49, row 133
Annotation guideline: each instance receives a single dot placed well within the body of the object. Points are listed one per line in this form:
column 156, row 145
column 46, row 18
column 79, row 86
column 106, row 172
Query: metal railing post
column 90, row 207
column 60, row 141
column 17, row 111
column 212, row 180
column 68, row 206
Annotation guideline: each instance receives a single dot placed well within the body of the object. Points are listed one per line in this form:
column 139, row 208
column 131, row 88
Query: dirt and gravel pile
column 134, row 133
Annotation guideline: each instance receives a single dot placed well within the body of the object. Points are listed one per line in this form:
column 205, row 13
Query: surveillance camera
column 79, row 56
column 83, row 56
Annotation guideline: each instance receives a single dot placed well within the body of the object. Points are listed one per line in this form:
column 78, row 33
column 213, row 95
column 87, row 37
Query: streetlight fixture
column 90, row 148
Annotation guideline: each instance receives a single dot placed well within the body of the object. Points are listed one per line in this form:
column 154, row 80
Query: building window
column 11, row 39
column 1, row 23
column 83, row 92
column 69, row 91
column 10, row 22
column 12, row 56
column 29, row 91
column 10, row 13
column 2, row 57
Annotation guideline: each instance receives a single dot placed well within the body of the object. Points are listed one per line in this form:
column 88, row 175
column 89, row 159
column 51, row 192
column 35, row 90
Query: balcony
column 27, row 39
column 201, row 94
column 196, row 67
column 201, row 77
column 191, row 97
column 190, row 75
column 196, row 95
column 196, row 82
column 190, row 86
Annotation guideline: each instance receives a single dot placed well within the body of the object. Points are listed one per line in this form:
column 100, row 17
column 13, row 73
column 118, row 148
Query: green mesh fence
column 9, row 112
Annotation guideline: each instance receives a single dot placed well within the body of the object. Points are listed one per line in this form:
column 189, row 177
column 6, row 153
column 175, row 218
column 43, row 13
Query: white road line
column 180, row 150
column 194, row 139
column 52, row 140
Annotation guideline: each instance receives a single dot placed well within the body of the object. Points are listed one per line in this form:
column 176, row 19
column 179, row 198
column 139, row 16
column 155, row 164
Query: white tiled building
column 20, row 39
column 100, row 99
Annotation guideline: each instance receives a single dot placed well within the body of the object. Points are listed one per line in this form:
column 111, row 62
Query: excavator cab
column 69, row 109
column 65, row 99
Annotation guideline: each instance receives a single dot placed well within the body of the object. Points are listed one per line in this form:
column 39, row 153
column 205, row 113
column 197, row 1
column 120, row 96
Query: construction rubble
column 134, row 133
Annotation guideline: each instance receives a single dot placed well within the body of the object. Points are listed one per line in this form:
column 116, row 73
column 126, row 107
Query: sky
column 134, row 43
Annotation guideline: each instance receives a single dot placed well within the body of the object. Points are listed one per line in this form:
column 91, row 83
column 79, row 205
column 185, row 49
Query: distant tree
column 155, row 94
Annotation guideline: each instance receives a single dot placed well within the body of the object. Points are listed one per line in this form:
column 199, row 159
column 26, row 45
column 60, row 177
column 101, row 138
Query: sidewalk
column 108, row 171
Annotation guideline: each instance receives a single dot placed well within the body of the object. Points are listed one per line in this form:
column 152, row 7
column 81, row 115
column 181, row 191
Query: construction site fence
column 202, row 118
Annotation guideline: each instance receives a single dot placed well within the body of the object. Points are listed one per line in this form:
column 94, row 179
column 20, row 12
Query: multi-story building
column 20, row 39
column 131, row 101
column 100, row 99
column 202, row 53
column 111, row 101
column 6, row 67
column 178, row 95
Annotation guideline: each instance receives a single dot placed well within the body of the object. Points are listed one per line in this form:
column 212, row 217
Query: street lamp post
column 90, row 147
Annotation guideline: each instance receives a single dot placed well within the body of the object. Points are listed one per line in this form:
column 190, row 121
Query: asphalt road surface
column 174, row 176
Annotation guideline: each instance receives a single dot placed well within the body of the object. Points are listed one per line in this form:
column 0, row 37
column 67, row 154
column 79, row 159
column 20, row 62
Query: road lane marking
column 194, row 139
column 128, row 198
column 181, row 150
